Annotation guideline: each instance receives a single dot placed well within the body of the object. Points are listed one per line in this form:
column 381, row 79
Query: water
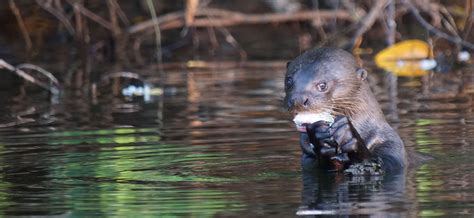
column 219, row 143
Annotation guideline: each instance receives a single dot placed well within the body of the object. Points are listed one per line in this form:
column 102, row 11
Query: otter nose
column 299, row 101
column 306, row 102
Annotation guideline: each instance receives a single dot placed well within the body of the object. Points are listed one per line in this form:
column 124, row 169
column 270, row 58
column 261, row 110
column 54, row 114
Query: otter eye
column 289, row 82
column 322, row 86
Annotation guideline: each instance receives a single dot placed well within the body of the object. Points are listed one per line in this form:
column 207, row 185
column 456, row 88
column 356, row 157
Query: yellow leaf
column 406, row 58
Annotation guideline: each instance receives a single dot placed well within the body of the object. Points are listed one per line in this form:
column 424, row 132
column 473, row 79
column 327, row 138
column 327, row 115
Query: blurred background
column 174, row 107
column 139, row 32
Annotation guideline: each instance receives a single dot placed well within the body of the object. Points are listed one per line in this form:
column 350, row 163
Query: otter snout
column 298, row 102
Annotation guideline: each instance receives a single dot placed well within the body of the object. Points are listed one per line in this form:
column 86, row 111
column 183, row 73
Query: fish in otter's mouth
column 303, row 119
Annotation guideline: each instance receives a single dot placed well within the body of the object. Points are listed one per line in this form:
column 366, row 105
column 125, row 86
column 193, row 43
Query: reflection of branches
column 19, row 120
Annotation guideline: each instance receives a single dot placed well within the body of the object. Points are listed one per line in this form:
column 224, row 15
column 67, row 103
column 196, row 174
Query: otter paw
column 373, row 167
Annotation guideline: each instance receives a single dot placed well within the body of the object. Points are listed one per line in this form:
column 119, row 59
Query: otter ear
column 361, row 73
column 288, row 64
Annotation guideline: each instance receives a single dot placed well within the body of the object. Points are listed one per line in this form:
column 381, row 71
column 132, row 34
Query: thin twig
column 91, row 15
column 449, row 21
column 137, row 43
column 58, row 14
column 145, row 25
column 156, row 27
column 212, row 37
column 392, row 78
column 21, row 24
column 468, row 23
column 390, row 23
column 232, row 41
column 318, row 22
column 369, row 19
column 122, row 14
column 113, row 18
column 79, row 23
column 45, row 73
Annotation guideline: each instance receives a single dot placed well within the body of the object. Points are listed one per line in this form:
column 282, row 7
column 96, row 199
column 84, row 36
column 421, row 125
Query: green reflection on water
column 125, row 200
column 116, row 131
column 426, row 184
column 430, row 213
column 140, row 175
column 423, row 137
column 107, row 136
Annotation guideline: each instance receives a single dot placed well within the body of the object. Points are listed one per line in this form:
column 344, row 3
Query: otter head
column 323, row 80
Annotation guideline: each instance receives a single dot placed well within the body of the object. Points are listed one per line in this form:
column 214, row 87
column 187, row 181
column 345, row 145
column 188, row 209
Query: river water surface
column 217, row 142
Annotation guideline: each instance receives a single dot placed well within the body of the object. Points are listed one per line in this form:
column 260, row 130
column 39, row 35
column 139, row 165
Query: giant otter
column 328, row 80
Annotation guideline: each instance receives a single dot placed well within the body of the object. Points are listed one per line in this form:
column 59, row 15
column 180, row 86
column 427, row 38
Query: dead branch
column 112, row 6
column 430, row 7
column 190, row 11
column 432, row 29
column 229, row 18
column 232, row 41
column 21, row 24
column 122, row 14
column 91, row 15
column 53, row 89
column 46, row 5
column 368, row 20
column 218, row 65
column 79, row 21
column 145, row 25
column 156, row 28
column 468, row 23
column 47, row 74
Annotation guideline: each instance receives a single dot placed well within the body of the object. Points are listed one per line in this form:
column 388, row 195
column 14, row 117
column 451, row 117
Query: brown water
column 218, row 143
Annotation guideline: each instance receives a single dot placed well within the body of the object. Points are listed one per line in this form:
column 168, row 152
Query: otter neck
column 367, row 109
column 371, row 115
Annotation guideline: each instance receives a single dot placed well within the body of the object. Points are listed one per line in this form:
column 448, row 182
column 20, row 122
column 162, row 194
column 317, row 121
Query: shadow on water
column 219, row 143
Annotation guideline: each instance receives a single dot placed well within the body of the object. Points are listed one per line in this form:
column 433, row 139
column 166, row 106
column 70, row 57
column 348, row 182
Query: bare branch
column 53, row 89
column 230, row 18
column 435, row 31
column 366, row 22
column 21, row 24
column 91, row 15
column 58, row 14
